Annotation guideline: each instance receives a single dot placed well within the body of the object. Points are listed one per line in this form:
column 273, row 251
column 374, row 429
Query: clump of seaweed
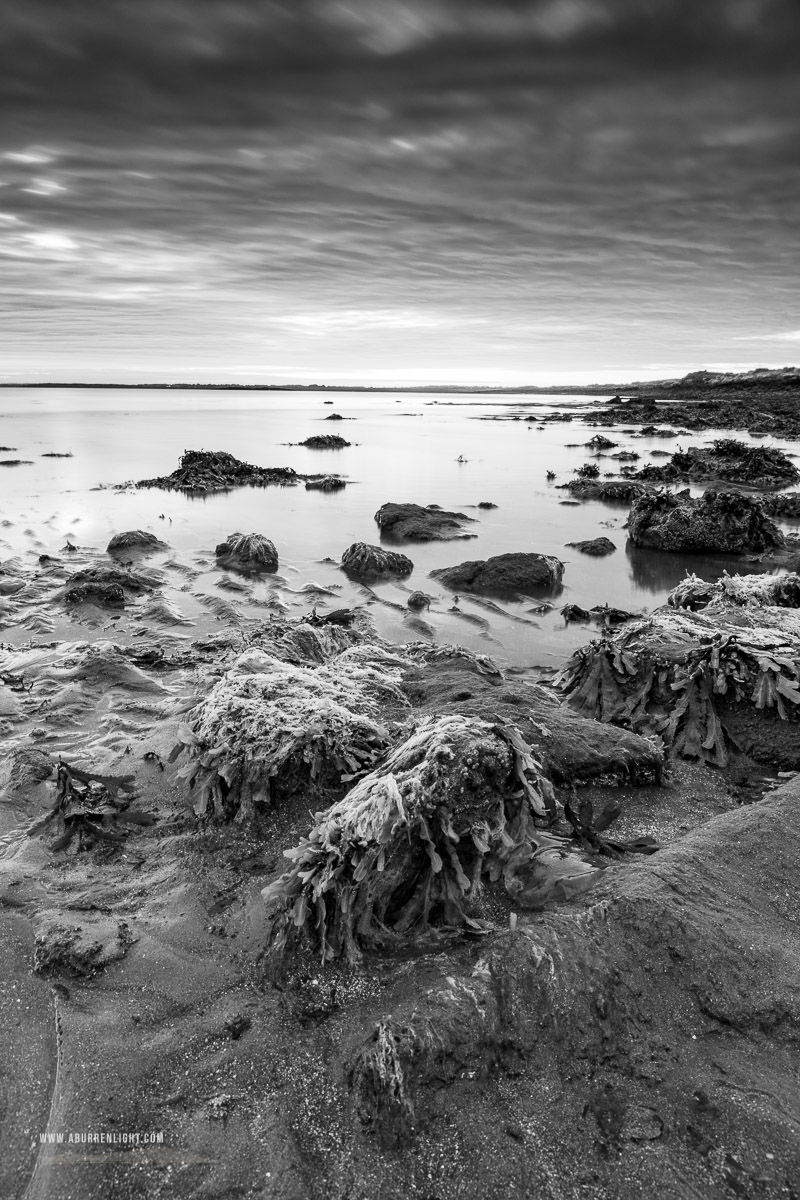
column 412, row 845
column 782, row 591
column 268, row 727
column 672, row 687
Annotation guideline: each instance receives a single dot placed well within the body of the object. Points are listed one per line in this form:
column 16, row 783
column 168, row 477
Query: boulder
column 598, row 547
column 247, row 552
column 419, row 600
column 504, row 575
column 718, row 522
column 373, row 562
column 135, row 541
column 413, row 523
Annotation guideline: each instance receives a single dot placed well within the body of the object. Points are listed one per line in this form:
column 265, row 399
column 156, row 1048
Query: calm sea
column 406, row 448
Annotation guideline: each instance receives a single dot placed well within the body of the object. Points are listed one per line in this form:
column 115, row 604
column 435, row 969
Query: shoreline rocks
column 504, row 575
column 413, row 523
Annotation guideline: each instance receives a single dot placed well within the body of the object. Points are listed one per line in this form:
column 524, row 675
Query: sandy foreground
column 635, row 1038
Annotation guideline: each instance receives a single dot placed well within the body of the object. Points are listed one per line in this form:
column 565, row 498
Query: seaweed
column 674, row 691
column 411, row 847
column 268, row 727
column 90, row 805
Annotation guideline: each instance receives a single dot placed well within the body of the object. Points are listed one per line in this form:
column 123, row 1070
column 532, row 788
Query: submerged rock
column 413, row 523
column 504, row 574
column 218, row 471
column 598, row 547
column 136, row 541
column 247, row 552
column 373, row 562
column 718, row 522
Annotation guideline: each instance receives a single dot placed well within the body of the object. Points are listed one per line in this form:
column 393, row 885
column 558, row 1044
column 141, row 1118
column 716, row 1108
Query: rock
column 247, row 552
column 486, row 504
column 718, row 522
column 729, row 673
column 608, row 490
column 218, row 471
column 728, row 461
column 599, row 442
column 419, row 600
column 327, row 483
column 598, row 547
column 504, row 574
column 135, row 541
column 574, row 612
column 334, row 417
column 107, row 586
column 325, row 441
column 413, row 523
column 373, row 562
column 106, row 595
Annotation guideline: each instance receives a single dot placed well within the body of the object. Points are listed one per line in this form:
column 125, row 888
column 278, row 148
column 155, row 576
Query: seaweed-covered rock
column 415, row 842
column 325, row 441
column 270, row 729
column 419, row 600
column 718, row 522
column 105, row 595
column 373, row 562
column 782, row 591
column 107, row 586
column 218, row 471
column 486, row 504
column 247, row 552
column 597, row 547
column 413, row 523
column 726, row 460
column 686, row 676
column 504, row 575
column 611, row 490
column 327, row 483
column 135, row 541
column 572, row 749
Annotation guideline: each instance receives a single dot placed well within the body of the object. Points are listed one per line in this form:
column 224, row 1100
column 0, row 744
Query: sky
column 491, row 192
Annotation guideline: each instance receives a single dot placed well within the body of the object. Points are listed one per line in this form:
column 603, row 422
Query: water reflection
column 657, row 571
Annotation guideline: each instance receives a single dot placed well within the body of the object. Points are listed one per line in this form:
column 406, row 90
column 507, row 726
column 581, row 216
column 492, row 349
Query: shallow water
column 406, row 449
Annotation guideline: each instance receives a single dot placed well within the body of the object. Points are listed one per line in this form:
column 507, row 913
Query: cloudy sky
column 479, row 191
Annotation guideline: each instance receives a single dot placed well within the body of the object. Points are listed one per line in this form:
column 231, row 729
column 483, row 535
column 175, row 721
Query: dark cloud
column 517, row 183
column 236, row 53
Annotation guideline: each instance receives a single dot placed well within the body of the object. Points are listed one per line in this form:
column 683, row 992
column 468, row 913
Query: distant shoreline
column 567, row 389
